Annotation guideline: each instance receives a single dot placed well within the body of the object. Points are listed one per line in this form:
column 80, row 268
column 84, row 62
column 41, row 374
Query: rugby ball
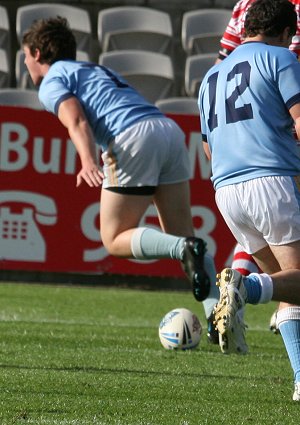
column 180, row 329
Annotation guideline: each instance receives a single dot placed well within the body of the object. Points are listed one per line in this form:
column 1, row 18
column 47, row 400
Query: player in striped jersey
column 233, row 35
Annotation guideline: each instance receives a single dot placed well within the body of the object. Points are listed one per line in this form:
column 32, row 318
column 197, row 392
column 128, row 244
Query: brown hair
column 270, row 17
column 53, row 38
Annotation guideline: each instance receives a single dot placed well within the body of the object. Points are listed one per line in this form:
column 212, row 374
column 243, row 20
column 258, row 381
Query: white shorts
column 149, row 153
column 263, row 211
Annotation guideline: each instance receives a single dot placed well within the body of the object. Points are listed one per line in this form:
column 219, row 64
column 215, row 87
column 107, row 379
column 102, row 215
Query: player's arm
column 229, row 41
column 232, row 35
column 203, row 127
column 226, row 43
column 295, row 114
column 223, row 53
column 72, row 116
column 206, row 149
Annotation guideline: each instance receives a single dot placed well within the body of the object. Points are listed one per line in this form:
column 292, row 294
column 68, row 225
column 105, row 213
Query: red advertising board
column 47, row 224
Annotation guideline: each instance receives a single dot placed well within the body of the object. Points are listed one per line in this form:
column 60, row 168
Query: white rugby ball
column 180, row 329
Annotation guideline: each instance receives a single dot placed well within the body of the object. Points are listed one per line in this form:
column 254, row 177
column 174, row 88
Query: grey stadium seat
column 134, row 27
column 202, row 30
column 23, row 79
column 78, row 19
column 178, row 105
column 196, row 66
column 150, row 73
column 17, row 97
column 5, row 74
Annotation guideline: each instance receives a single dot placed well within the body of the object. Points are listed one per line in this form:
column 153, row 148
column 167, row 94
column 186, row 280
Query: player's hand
column 92, row 175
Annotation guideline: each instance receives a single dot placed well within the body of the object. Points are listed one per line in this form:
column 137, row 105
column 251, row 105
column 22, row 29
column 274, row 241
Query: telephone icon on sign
column 20, row 214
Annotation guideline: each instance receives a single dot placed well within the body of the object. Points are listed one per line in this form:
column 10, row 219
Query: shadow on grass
column 137, row 372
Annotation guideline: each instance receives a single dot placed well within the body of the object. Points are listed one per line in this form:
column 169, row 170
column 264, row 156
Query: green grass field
column 76, row 355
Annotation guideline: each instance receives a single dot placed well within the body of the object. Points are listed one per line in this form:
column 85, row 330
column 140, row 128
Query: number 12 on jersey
column 232, row 112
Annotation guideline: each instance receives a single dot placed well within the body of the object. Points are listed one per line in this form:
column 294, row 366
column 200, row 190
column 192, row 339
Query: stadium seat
column 196, row 66
column 178, row 105
column 150, row 73
column 202, row 30
column 23, row 79
column 134, row 27
column 4, row 29
column 5, row 45
column 18, row 97
column 82, row 56
column 78, row 19
column 4, row 69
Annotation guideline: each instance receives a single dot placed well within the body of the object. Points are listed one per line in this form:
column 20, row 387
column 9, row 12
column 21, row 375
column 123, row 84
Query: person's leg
column 174, row 211
column 275, row 284
column 288, row 316
column 264, row 225
column 121, row 235
column 243, row 262
column 172, row 202
column 134, row 164
column 120, row 217
column 288, row 322
column 261, row 288
column 152, row 153
column 282, row 263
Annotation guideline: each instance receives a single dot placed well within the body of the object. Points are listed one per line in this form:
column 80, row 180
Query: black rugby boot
column 193, row 265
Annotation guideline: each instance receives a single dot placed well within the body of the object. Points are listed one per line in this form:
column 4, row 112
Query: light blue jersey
column 110, row 104
column 244, row 103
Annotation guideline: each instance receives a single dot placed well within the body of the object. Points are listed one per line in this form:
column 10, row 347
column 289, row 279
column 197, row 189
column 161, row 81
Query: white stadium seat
column 150, row 73
column 178, row 105
column 202, row 30
column 78, row 18
column 5, row 30
column 23, row 79
column 4, row 69
column 196, row 66
column 134, row 27
column 18, row 97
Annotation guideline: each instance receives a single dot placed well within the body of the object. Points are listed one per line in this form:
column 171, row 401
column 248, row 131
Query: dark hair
column 53, row 38
column 270, row 17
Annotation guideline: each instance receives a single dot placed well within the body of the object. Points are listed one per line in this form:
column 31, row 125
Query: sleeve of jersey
column 52, row 92
column 289, row 83
column 295, row 45
column 230, row 40
column 232, row 37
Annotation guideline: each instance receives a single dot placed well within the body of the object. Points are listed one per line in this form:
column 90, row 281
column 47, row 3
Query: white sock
column 148, row 243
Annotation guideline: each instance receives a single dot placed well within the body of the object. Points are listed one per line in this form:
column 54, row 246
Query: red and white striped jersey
column 233, row 35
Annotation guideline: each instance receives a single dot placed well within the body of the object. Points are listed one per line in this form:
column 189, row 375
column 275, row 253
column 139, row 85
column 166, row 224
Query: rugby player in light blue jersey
column 144, row 155
column 248, row 104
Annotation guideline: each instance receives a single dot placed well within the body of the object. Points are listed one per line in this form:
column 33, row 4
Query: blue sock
column 290, row 332
column 253, row 288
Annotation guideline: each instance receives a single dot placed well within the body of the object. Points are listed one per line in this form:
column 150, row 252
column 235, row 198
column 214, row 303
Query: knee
column 115, row 247
column 108, row 244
